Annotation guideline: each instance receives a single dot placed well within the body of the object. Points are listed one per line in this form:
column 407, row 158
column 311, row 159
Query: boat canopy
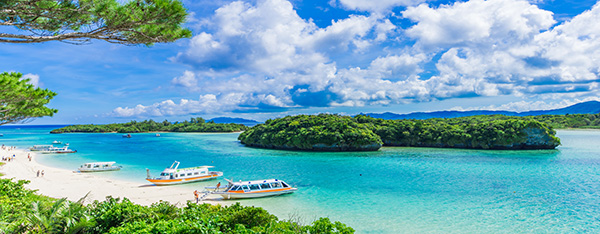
column 255, row 182
column 257, row 185
column 100, row 163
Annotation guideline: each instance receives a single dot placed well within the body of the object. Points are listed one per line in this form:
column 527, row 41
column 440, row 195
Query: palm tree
column 61, row 216
column 44, row 219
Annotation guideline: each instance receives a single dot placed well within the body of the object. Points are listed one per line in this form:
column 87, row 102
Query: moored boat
column 58, row 150
column 174, row 175
column 40, row 147
column 99, row 166
column 49, row 149
column 254, row 189
column 57, row 142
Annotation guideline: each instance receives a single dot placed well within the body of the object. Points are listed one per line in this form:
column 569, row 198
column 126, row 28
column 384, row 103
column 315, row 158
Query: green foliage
column 571, row 120
column 194, row 125
column 476, row 132
column 113, row 213
column 249, row 217
column 22, row 211
column 79, row 21
column 306, row 132
column 20, row 100
column 61, row 216
column 322, row 132
column 324, row 225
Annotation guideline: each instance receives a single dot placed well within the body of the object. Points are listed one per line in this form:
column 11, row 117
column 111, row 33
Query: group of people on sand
column 13, row 157
column 40, row 173
column 8, row 158
column 8, row 148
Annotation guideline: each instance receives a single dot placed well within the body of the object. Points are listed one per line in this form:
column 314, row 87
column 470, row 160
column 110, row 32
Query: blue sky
column 270, row 58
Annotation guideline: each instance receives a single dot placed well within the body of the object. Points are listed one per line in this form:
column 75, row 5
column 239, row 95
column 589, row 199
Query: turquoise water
column 394, row 190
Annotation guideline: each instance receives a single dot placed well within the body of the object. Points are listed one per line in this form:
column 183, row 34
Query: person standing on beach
column 42, row 173
column 196, row 195
column 38, row 173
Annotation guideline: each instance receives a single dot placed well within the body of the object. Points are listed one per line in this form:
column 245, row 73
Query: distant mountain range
column 591, row 107
column 247, row 122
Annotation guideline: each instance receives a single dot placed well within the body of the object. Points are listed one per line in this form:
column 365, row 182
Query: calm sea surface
column 393, row 190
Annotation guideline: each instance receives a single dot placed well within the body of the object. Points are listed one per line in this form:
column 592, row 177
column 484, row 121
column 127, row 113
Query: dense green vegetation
column 476, row 132
column 194, row 125
column 343, row 133
column 24, row 211
column 21, row 100
column 79, row 21
column 322, row 132
column 570, row 120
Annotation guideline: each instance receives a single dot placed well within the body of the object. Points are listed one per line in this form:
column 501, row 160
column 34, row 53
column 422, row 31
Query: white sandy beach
column 59, row 183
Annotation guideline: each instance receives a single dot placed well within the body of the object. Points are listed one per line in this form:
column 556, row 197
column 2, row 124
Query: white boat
column 40, row 147
column 173, row 175
column 57, row 142
column 254, row 189
column 99, row 166
column 44, row 149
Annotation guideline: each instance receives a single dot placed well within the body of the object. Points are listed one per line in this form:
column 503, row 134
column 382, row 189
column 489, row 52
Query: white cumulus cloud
column 477, row 21
column 265, row 57
column 34, row 79
column 187, row 80
column 375, row 6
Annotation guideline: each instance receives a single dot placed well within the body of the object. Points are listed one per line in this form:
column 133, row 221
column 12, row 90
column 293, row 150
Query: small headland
column 322, row 132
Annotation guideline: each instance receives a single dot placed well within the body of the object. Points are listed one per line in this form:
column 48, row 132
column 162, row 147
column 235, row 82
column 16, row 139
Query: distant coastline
column 193, row 125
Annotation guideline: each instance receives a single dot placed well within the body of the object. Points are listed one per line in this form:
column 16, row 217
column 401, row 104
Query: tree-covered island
column 326, row 132
column 581, row 121
column 322, row 132
column 193, row 125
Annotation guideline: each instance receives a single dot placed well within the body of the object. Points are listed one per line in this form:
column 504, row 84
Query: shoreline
column 59, row 183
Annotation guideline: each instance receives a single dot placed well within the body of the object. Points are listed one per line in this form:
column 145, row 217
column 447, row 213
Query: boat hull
column 257, row 194
column 161, row 182
column 58, row 152
column 99, row 170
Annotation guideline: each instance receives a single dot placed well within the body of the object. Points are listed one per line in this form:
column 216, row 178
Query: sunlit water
column 393, row 190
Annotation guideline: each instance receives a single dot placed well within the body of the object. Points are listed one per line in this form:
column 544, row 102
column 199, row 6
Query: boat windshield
column 284, row 185
column 235, row 188
column 164, row 174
